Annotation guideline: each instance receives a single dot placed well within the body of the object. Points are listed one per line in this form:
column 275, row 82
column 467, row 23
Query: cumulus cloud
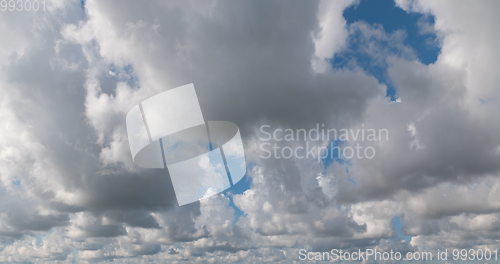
column 68, row 187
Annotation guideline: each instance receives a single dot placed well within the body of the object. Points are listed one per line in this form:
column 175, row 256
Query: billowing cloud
column 68, row 187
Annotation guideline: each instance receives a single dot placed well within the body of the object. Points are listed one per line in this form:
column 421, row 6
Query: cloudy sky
column 425, row 70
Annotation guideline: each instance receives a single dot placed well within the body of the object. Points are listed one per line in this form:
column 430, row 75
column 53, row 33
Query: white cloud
column 69, row 76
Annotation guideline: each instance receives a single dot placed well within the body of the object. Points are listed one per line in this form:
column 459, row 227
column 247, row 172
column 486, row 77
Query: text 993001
column 22, row 5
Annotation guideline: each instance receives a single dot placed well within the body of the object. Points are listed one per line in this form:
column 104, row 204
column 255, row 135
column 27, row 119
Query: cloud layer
column 68, row 76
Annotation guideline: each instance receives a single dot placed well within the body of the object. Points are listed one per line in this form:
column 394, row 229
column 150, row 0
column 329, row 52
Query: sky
column 424, row 70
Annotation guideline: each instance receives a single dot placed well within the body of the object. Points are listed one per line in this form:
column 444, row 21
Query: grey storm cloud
column 68, row 76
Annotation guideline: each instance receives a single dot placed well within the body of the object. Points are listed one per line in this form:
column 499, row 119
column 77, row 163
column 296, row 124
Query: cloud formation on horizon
column 68, row 76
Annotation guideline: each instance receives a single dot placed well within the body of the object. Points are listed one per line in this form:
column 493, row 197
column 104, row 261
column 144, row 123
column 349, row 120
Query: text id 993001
column 22, row 5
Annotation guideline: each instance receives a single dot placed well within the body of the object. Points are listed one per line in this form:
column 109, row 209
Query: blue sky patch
column 333, row 155
column 240, row 187
column 418, row 27
column 408, row 35
column 398, row 229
